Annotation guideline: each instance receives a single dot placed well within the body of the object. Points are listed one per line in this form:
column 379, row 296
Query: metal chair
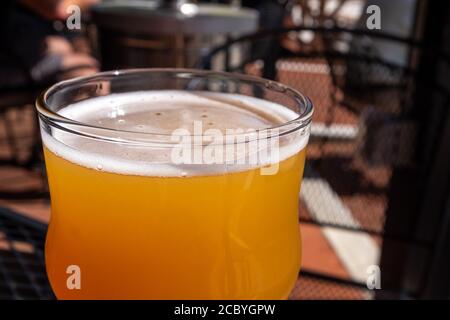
column 365, row 128
column 22, row 266
column 20, row 143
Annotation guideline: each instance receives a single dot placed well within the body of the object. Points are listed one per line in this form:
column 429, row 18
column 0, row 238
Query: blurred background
column 376, row 190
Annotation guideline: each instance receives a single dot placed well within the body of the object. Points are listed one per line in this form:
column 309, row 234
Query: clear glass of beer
column 173, row 184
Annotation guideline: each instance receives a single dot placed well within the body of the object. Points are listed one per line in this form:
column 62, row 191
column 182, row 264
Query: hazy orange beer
column 131, row 221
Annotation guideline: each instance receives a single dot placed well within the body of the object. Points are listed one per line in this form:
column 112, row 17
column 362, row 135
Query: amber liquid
column 225, row 236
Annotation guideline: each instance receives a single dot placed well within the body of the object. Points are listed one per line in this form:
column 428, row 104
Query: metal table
column 148, row 34
column 23, row 276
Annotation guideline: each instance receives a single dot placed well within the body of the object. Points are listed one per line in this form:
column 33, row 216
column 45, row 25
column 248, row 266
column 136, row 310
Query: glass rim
column 53, row 118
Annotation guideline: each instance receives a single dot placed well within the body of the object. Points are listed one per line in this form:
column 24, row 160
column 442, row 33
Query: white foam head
column 163, row 112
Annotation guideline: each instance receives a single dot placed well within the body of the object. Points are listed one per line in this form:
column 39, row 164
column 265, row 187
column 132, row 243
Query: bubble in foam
column 180, row 108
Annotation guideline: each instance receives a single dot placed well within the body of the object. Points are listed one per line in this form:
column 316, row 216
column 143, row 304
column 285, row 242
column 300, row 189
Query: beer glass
column 173, row 184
